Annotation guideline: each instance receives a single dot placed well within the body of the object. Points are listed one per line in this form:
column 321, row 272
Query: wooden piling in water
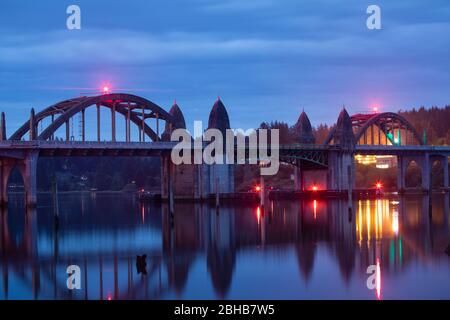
column 55, row 199
column 216, row 187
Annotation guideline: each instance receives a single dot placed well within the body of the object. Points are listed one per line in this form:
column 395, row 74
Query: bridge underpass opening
column 247, row 177
column 15, row 188
column 438, row 172
column 373, row 169
column 128, row 174
column 413, row 177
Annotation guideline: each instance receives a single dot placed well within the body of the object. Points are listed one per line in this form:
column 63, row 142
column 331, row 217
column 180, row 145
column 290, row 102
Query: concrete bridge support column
column 349, row 171
column 298, row 178
column 167, row 180
column 204, row 177
column 333, row 171
column 341, row 171
column 164, row 176
column 401, row 173
column 444, row 163
column 28, row 168
column 197, row 182
column 6, row 167
column 426, row 172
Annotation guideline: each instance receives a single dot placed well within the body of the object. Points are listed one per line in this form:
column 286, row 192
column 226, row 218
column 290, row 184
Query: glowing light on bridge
column 106, row 87
column 258, row 188
column 315, row 188
column 378, row 185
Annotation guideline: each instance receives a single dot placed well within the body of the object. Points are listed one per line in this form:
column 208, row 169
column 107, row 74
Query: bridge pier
column 298, row 178
column 29, row 174
column 445, row 168
column 341, row 168
column 7, row 166
column 443, row 161
column 28, row 169
column 166, row 176
column 425, row 162
column 426, row 172
column 401, row 173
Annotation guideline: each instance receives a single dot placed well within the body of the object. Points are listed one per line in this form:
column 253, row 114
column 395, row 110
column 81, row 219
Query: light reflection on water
column 294, row 250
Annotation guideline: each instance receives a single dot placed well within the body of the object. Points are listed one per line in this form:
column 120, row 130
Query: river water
column 390, row 248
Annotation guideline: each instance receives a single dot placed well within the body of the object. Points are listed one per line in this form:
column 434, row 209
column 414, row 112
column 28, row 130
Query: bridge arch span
column 134, row 108
column 382, row 120
column 385, row 121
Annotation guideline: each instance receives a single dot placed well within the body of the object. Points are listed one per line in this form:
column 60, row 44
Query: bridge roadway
column 402, row 150
column 337, row 160
column 19, row 149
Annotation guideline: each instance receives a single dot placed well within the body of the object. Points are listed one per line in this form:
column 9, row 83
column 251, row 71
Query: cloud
column 133, row 48
column 235, row 5
column 260, row 56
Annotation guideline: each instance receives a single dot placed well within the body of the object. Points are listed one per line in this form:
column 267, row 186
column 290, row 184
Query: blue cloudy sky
column 267, row 59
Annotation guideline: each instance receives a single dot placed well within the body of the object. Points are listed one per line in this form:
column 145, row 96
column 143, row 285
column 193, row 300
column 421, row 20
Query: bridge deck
column 17, row 149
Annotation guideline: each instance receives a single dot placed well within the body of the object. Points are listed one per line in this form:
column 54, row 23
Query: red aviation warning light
column 105, row 89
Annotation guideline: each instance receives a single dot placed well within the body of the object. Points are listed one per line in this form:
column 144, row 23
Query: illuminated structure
column 381, row 162
column 370, row 134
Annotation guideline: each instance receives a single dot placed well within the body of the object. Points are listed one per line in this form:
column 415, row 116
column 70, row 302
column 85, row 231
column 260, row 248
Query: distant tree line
column 433, row 121
column 101, row 173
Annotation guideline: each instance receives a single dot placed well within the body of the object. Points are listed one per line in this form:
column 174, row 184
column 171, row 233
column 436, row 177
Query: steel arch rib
column 69, row 108
column 290, row 158
column 380, row 116
column 373, row 120
column 52, row 110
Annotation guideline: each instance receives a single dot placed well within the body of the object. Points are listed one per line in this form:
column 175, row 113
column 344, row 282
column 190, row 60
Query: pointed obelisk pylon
column 32, row 125
column 3, row 127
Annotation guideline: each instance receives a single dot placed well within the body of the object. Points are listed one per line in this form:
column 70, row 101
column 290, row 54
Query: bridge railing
column 21, row 144
column 427, row 148
column 46, row 143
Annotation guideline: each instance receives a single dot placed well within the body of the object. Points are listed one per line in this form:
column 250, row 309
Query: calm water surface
column 294, row 250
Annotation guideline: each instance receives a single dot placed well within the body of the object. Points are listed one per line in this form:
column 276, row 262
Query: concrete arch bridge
column 363, row 134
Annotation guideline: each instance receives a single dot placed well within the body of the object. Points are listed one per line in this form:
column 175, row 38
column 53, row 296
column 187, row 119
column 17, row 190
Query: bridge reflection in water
column 292, row 250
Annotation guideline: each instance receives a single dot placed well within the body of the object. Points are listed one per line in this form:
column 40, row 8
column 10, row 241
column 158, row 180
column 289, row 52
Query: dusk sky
column 266, row 59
